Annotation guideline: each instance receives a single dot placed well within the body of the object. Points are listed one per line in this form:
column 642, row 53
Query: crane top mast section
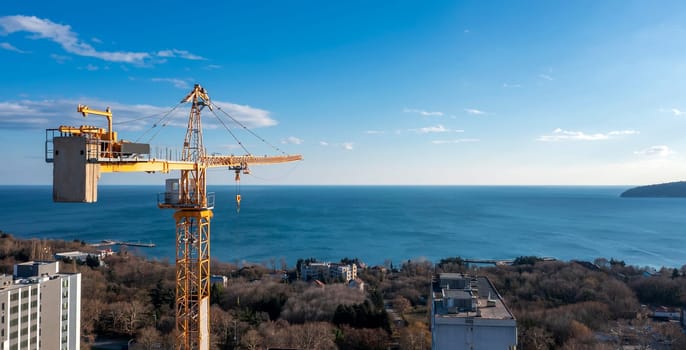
column 193, row 183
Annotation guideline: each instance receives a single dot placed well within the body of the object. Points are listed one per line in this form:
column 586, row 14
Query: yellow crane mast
column 80, row 154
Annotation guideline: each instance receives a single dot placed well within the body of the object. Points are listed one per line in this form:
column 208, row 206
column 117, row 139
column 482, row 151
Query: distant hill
column 670, row 189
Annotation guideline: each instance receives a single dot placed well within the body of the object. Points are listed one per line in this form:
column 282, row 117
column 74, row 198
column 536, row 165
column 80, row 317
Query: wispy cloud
column 422, row 112
column 63, row 35
column 178, row 83
column 10, row 47
column 434, row 129
column 348, row 146
column 374, row 132
column 443, row 142
column 674, row 111
column 59, row 58
column 292, row 140
column 213, row 67
column 565, row 135
column 51, row 113
column 90, row 67
column 473, row 111
column 656, row 151
column 508, row 85
column 180, row 54
column 546, row 77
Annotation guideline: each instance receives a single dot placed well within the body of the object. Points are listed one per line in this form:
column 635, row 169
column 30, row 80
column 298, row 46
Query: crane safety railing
column 104, row 150
column 172, row 199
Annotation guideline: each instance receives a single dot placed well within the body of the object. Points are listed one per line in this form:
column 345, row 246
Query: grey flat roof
column 484, row 286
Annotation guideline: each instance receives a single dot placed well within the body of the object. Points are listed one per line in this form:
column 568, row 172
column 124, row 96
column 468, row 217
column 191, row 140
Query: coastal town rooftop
column 462, row 296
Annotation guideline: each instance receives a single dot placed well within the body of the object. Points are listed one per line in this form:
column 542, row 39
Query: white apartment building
column 468, row 313
column 40, row 308
column 325, row 270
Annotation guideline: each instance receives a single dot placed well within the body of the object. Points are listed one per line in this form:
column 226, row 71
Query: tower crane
column 81, row 154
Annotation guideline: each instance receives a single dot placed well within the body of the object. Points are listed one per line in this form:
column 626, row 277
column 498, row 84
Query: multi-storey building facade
column 40, row 308
column 325, row 270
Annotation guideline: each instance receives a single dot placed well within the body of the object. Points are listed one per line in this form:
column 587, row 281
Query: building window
column 3, row 306
column 34, row 303
column 34, row 291
column 25, row 294
column 14, row 309
column 14, row 297
column 65, row 283
column 14, row 322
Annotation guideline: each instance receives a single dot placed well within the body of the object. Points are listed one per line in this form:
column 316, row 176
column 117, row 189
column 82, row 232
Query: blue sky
column 388, row 92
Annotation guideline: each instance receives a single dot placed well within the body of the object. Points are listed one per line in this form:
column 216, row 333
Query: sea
column 377, row 224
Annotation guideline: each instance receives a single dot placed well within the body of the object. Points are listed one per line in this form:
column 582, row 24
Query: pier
column 499, row 262
column 110, row 242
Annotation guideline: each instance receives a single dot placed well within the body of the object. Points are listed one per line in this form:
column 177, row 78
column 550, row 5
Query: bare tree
column 251, row 339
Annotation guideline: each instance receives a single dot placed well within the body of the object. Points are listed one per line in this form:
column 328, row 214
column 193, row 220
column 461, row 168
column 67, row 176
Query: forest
column 558, row 305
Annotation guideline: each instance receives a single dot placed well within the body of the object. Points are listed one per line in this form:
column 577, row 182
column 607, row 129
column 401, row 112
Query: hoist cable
column 157, row 123
column 248, row 130
column 229, row 130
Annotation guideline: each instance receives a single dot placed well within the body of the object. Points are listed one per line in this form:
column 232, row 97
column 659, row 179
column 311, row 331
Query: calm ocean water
column 374, row 223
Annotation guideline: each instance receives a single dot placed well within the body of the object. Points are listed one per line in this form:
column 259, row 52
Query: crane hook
column 238, row 191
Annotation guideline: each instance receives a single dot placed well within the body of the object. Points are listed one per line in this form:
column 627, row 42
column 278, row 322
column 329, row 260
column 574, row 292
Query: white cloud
column 52, row 113
column 434, row 129
column 292, row 140
column 180, row 54
column 59, row 58
column 674, row 111
column 213, row 66
column 63, row 35
column 178, row 83
column 348, row 145
column 565, row 135
column 323, row 143
column 90, row 67
column 69, row 40
column 374, row 132
column 655, row 151
column 506, row 85
column 442, row 142
column 249, row 116
column 473, row 111
column 545, row 77
column 10, row 47
column 422, row 112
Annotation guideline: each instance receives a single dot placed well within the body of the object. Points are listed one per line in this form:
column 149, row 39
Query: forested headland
column 558, row 305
